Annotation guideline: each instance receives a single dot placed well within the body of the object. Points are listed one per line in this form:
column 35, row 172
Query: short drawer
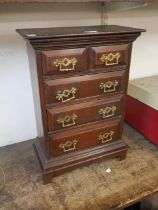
column 70, row 89
column 84, row 137
column 85, row 112
column 57, row 62
column 109, row 57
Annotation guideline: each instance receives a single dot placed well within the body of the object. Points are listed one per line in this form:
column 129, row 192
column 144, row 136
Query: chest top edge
column 80, row 31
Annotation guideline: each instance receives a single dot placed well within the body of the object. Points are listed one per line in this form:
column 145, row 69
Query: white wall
column 17, row 121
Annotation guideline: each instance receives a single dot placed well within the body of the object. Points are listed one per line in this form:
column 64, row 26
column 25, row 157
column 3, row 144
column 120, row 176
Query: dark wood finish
column 97, row 52
column 81, row 55
column 85, row 137
column 40, row 34
column 102, row 61
column 39, row 99
column 86, row 86
column 85, row 112
column 50, row 57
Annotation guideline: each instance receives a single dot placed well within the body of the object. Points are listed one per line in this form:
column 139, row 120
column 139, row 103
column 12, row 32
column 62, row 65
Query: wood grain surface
column 69, row 1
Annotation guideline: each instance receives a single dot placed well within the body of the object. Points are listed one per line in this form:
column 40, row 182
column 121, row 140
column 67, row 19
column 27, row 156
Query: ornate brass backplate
column 66, row 95
column 105, row 137
column 109, row 86
column 68, row 145
column 66, row 64
column 110, row 59
column 107, row 111
column 67, row 121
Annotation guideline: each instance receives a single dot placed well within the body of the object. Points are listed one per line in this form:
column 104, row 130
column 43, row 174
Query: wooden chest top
column 58, row 32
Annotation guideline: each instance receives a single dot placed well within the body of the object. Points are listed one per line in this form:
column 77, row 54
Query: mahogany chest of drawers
column 79, row 80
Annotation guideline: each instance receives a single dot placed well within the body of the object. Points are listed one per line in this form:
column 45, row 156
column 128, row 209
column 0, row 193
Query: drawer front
column 65, row 61
column 69, row 89
column 108, row 57
column 81, row 113
column 81, row 138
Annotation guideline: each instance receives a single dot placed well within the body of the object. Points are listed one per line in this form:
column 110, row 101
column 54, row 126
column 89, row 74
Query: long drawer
column 84, row 137
column 72, row 88
column 85, row 112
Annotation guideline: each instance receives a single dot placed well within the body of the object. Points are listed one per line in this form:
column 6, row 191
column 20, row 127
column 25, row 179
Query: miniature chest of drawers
column 79, row 81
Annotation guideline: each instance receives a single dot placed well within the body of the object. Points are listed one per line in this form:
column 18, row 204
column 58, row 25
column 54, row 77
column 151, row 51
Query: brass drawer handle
column 110, row 59
column 106, row 137
column 66, row 64
column 107, row 112
column 68, row 145
column 66, row 95
column 109, row 86
column 67, row 120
